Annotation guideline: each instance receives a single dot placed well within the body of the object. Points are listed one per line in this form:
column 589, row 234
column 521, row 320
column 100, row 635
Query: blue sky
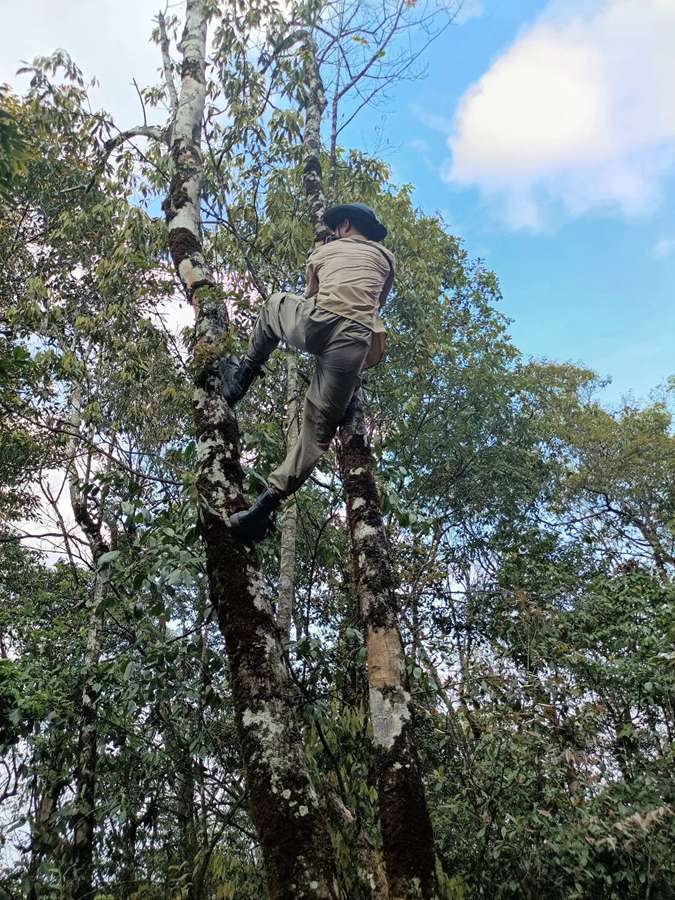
column 544, row 132
column 588, row 285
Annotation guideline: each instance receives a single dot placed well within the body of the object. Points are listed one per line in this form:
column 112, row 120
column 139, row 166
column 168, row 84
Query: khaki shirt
column 351, row 277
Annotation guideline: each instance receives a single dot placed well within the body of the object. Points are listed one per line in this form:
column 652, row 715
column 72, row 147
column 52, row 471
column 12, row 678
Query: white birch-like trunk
column 284, row 804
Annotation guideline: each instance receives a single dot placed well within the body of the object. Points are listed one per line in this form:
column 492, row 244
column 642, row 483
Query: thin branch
column 166, row 61
column 149, row 131
column 142, row 102
column 375, row 56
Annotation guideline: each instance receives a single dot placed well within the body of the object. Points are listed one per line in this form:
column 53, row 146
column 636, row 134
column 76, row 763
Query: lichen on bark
column 407, row 835
column 299, row 858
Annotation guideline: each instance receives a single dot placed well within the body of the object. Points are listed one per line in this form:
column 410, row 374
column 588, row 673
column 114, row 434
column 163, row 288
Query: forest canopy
column 170, row 701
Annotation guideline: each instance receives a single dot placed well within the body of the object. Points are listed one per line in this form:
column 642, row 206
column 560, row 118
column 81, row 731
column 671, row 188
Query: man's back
column 351, row 277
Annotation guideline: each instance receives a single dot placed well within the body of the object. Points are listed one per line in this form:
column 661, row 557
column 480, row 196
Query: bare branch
column 148, row 131
column 166, row 61
column 376, row 55
column 142, row 102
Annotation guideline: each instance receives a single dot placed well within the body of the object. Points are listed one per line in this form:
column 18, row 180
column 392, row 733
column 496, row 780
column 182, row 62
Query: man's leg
column 282, row 318
column 336, row 377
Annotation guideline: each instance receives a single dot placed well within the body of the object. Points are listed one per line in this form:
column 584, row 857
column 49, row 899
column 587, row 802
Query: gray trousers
column 340, row 346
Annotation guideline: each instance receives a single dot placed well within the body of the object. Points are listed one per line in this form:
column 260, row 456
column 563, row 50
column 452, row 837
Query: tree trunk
column 406, row 827
column 407, row 835
column 128, row 876
column 289, row 520
column 284, row 805
column 84, row 820
column 183, row 788
column 312, row 177
column 312, row 182
column 43, row 837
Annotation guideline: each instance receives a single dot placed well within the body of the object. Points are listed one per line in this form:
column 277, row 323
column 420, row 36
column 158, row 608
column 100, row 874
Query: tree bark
column 312, row 176
column 284, row 804
column 128, row 876
column 406, row 827
column 407, row 835
column 183, row 789
column 408, row 839
column 84, row 819
column 312, row 182
column 289, row 520
column 43, row 836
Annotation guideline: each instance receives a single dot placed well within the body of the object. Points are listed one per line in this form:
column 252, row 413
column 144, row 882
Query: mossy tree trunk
column 284, row 804
column 407, row 835
column 408, row 839
column 90, row 520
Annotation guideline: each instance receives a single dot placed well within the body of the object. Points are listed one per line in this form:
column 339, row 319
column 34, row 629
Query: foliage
column 531, row 531
column 14, row 150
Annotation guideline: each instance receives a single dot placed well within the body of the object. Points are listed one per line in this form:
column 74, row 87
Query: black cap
column 360, row 215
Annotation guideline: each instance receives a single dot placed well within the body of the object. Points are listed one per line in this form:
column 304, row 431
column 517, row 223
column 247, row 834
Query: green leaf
column 105, row 559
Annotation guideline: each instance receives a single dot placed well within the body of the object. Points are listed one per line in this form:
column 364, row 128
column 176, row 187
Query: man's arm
column 388, row 283
column 311, row 276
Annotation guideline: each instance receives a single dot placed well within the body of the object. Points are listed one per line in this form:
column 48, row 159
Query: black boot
column 237, row 377
column 251, row 525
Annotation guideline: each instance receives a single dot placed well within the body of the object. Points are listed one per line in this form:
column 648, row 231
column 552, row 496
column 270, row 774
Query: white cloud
column 664, row 248
column 469, row 9
column 433, row 120
column 109, row 39
column 419, row 146
column 577, row 113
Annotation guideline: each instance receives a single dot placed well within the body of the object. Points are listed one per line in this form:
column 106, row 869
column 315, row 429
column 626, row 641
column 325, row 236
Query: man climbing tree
column 347, row 282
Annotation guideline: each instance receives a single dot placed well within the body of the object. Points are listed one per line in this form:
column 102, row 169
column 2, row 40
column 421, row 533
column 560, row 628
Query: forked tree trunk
column 407, row 835
column 284, row 805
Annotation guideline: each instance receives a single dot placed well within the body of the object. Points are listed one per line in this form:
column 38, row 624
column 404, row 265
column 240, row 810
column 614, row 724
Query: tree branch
column 166, row 62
